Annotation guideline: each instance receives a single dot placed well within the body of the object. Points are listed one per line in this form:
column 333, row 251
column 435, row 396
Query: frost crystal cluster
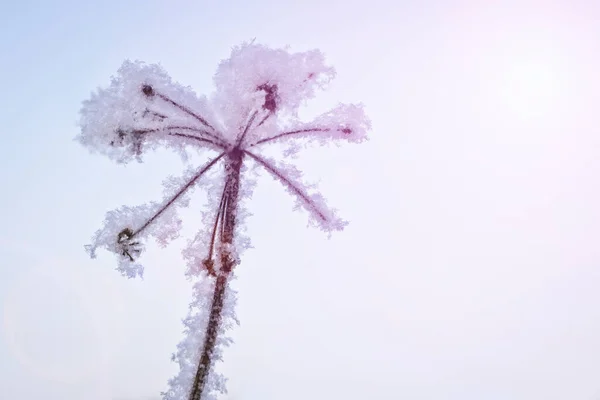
column 258, row 93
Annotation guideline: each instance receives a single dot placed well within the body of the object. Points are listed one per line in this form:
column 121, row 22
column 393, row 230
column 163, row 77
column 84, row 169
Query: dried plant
column 258, row 94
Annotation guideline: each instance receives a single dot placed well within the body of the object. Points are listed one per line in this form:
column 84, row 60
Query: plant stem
column 227, row 262
column 210, row 338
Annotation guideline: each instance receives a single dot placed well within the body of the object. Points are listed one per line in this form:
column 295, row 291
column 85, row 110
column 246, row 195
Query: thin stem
column 250, row 121
column 212, row 331
column 222, row 215
column 219, row 142
column 297, row 191
column 233, row 170
column 307, row 130
column 185, row 110
column 280, row 135
column 184, row 135
column 264, row 119
column 155, row 114
column 201, row 131
column 216, row 224
column 227, row 261
column 181, row 191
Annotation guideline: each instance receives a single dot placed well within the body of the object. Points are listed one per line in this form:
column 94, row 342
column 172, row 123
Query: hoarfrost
column 258, row 93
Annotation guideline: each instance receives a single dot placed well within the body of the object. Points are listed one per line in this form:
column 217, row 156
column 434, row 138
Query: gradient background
column 471, row 266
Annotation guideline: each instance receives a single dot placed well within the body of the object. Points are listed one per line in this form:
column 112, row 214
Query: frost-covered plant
column 258, row 93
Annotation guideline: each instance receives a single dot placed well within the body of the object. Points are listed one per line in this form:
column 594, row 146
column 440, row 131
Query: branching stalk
column 297, row 191
column 187, row 136
column 284, row 134
column 165, row 116
column 186, row 110
column 227, row 262
column 264, row 119
column 181, row 191
column 200, row 131
column 215, row 140
column 247, row 128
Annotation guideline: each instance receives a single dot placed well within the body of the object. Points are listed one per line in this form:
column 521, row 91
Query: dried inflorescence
column 258, row 94
column 128, row 247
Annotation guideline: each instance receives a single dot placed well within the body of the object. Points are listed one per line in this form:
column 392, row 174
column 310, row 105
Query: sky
column 471, row 263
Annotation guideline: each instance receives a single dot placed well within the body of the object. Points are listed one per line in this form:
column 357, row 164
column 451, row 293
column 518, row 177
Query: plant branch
column 149, row 91
column 181, row 191
column 154, row 114
column 201, row 131
column 185, row 110
column 299, row 131
column 264, row 119
column 216, row 141
column 227, row 262
column 250, row 121
column 290, row 133
column 209, row 262
column 212, row 331
column 222, row 213
column 197, row 130
column 187, row 136
column 295, row 189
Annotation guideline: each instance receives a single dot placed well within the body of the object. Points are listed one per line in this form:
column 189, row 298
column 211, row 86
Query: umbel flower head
column 258, row 93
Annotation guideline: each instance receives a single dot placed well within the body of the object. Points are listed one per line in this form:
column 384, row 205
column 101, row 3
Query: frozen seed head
column 258, row 93
column 127, row 247
column 271, row 97
column 148, row 90
column 120, row 137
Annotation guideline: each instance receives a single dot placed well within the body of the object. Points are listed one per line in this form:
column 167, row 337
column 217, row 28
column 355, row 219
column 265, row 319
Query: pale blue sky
column 470, row 268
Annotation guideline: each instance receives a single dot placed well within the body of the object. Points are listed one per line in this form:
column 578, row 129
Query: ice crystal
column 258, row 93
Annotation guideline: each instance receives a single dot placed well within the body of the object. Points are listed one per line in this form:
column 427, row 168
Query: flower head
column 258, row 94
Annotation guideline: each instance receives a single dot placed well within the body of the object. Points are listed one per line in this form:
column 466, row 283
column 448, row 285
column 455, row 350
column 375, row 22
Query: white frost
column 258, row 94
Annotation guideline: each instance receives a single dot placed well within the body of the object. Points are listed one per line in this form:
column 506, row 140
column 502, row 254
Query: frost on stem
column 140, row 110
column 125, row 228
column 255, row 104
column 257, row 78
column 312, row 201
column 189, row 350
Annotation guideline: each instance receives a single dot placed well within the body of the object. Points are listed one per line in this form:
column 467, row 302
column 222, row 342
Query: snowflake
column 258, row 93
